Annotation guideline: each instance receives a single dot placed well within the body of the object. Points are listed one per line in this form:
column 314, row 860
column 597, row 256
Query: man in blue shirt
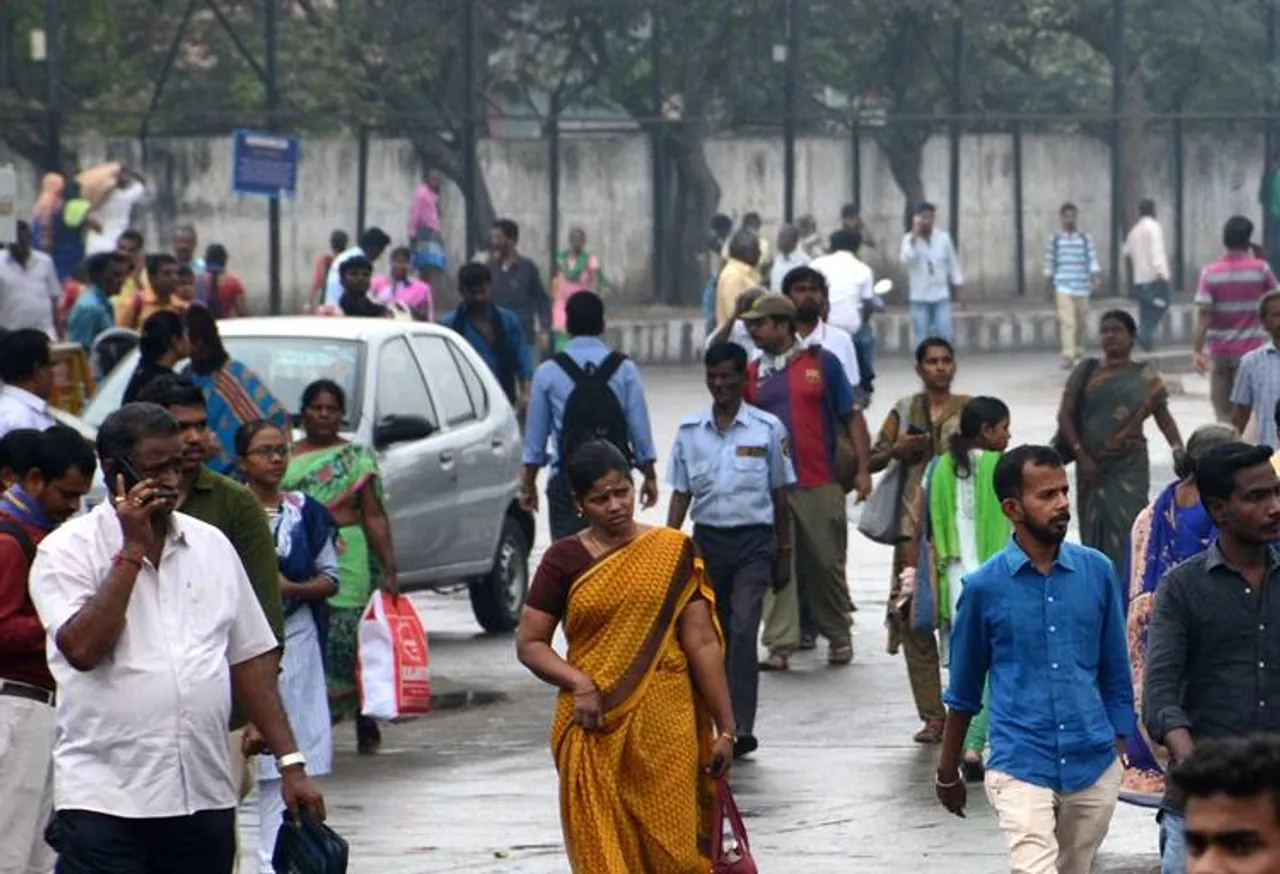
column 732, row 463
column 494, row 332
column 1044, row 620
column 93, row 313
column 548, row 398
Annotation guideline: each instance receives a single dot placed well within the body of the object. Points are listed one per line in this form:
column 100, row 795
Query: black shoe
column 368, row 736
column 808, row 642
column 745, row 745
column 973, row 770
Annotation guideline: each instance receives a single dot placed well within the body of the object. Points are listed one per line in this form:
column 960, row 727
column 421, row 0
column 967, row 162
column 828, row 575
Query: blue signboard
column 265, row 164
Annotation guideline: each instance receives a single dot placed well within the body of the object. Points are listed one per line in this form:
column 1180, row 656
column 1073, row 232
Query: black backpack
column 593, row 411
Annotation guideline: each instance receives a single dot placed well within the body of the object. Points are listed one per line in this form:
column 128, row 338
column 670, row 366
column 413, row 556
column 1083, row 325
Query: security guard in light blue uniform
column 732, row 464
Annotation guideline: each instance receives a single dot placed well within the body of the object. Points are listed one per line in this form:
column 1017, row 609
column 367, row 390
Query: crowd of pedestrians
column 1075, row 673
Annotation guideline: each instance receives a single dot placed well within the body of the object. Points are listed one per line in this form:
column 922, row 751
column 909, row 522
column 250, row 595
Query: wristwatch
column 290, row 760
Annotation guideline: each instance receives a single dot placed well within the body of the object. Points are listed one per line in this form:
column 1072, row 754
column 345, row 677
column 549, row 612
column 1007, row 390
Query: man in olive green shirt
column 229, row 507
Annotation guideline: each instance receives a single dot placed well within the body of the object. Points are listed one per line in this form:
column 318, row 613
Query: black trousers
column 562, row 515
column 95, row 843
column 740, row 564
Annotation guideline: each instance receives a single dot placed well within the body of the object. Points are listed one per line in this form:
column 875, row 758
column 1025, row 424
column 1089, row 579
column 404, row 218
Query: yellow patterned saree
column 635, row 795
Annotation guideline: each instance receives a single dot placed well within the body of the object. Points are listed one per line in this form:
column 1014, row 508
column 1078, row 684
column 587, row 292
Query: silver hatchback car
column 447, row 439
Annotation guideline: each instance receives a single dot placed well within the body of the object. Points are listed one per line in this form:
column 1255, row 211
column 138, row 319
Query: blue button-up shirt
column 517, row 348
column 90, row 316
column 732, row 474
column 1055, row 650
column 551, row 390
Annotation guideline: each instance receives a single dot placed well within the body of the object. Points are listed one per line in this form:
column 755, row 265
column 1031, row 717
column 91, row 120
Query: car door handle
column 446, row 459
column 497, row 441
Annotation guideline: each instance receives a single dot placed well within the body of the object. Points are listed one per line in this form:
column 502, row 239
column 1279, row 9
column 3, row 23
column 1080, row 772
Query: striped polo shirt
column 1071, row 260
column 1230, row 289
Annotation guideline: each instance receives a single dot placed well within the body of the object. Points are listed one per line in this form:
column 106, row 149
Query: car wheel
column 498, row 597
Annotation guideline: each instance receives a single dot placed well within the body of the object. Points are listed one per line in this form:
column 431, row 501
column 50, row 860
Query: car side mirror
column 401, row 429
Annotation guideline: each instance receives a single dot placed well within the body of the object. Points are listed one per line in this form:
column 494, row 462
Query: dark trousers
column 1153, row 303
column 95, row 843
column 740, row 564
column 562, row 514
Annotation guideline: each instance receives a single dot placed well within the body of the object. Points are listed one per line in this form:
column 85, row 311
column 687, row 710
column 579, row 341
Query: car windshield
column 286, row 364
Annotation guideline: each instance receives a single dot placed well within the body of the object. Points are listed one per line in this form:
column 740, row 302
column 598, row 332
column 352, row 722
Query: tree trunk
column 697, row 197
column 434, row 151
column 903, row 144
column 1133, row 139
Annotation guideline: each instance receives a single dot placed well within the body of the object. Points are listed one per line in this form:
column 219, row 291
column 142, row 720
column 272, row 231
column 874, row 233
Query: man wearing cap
column 807, row 388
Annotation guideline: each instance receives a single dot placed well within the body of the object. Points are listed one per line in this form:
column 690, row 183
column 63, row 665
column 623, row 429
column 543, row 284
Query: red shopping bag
column 730, row 853
column 392, row 666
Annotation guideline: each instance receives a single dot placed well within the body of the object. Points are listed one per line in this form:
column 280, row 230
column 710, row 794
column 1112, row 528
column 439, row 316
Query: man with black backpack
column 587, row 392
column 50, row 484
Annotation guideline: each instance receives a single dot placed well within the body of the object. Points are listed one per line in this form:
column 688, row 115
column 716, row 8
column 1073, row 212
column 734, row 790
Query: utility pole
column 957, row 108
column 1269, row 138
column 790, row 98
column 1119, row 61
column 470, row 87
column 664, row 289
column 273, row 204
column 53, row 55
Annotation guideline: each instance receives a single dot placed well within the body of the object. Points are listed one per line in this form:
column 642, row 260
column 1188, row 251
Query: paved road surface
column 837, row 786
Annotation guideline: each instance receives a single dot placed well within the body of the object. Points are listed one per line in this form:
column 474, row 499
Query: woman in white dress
column 304, row 535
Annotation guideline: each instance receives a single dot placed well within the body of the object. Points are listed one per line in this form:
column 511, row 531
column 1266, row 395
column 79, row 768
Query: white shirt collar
column 26, row 398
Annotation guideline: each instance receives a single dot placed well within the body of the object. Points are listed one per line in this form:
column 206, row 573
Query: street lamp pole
column 273, row 204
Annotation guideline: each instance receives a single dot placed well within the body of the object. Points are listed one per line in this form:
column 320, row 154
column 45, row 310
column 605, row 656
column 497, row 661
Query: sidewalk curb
column 679, row 340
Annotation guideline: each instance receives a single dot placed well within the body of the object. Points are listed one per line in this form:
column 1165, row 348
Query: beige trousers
column 1053, row 832
column 243, row 776
column 26, row 785
column 1073, row 323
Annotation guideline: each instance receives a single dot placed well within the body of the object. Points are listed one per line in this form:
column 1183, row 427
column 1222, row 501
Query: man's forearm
column 254, row 685
column 678, row 509
column 91, row 635
column 1180, row 744
column 1202, row 331
column 782, row 519
column 649, row 470
column 956, row 727
column 861, row 440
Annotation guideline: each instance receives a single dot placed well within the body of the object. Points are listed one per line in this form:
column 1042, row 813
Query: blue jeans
column 931, row 319
column 1173, row 843
column 1153, row 303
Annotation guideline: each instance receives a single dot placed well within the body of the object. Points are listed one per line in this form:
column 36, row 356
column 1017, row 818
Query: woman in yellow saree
column 640, row 688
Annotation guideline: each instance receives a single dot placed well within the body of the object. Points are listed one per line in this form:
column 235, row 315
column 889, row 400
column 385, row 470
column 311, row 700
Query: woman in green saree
column 1104, row 407
column 344, row 477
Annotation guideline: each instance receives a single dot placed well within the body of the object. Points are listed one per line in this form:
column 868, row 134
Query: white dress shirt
column 850, row 283
column 333, row 280
column 144, row 734
column 784, row 264
column 19, row 408
column 114, row 214
column 933, row 266
column 28, row 293
column 1145, row 248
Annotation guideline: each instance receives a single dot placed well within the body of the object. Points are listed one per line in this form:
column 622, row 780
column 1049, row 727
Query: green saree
column 1114, row 405
column 335, row 477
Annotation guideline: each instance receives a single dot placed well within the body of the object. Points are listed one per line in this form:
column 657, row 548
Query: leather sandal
column 777, row 661
column 931, row 733
column 840, row 655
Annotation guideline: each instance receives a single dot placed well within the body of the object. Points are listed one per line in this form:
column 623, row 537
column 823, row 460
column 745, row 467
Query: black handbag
column 309, row 847
column 1059, row 443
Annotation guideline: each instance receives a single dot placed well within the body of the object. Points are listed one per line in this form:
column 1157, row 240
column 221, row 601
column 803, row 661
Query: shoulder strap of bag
column 570, row 367
column 14, row 530
column 609, row 366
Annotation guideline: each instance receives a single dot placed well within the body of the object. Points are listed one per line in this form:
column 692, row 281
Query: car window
column 401, row 391
column 473, row 382
column 286, row 365
column 447, row 383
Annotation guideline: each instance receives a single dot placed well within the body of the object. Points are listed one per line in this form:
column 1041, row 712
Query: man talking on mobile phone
column 152, row 618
